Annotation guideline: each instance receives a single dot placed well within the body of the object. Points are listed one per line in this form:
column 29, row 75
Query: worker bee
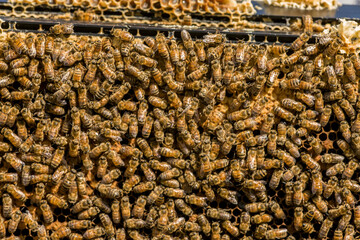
column 350, row 169
column 123, row 35
column 275, row 178
column 261, row 230
column 107, row 223
column 14, row 139
column 349, row 153
column 348, row 108
column 94, row 232
column 229, row 227
column 9, row 177
column 7, row 205
column 277, row 210
column 46, row 211
column 199, row 73
column 284, row 114
column 276, row 233
column 239, row 115
column 139, row 207
column 39, row 193
column 325, row 228
column 271, row 146
column 163, row 218
column 317, row 183
column 14, row 221
column 29, row 221
column 332, row 79
column 329, row 188
column 255, row 207
column 196, row 200
column 61, row 232
column 300, row 41
column 88, row 213
column 348, row 197
column 308, row 24
column 298, row 197
column 56, row 201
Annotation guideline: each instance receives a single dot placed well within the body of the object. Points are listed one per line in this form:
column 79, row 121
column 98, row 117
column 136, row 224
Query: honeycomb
column 128, row 137
column 189, row 12
column 316, row 4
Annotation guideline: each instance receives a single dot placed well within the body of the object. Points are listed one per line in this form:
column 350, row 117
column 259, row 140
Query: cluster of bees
column 159, row 138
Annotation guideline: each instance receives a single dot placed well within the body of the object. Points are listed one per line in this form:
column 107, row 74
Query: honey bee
column 261, row 230
column 98, row 150
column 261, row 218
column 255, row 207
column 349, row 232
column 348, row 108
column 94, row 232
column 330, row 187
column 80, row 224
column 180, row 76
column 277, row 210
column 317, row 183
column 348, row 152
column 284, row 114
column 99, row 203
column 335, row 169
column 229, row 227
column 350, row 70
column 355, row 60
column 131, row 168
column 163, row 218
column 81, row 205
column 292, row 148
column 30, row 43
column 61, row 232
column 320, row 204
column 192, row 227
column 9, row 177
column 29, row 221
column 46, row 211
column 123, row 35
column 339, row 211
column 273, row 76
column 18, row 43
column 56, row 201
column 7, row 205
column 187, row 40
column 298, row 197
column 88, row 213
column 139, row 207
column 350, row 169
column 300, row 41
column 278, row 233
column 310, row 125
column 348, row 197
column 293, row 58
column 14, row 221
column 196, row 200
column 275, row 178
column 111, row 176
column 325, row 228
column 108, row 191
column 14, row 139
column 278, row 50
column 107, row 223
column 351, row 185
column 308, row 24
